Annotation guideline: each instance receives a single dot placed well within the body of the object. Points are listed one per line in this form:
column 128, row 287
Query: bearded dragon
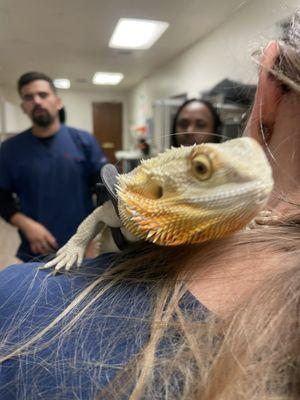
column 185, row 195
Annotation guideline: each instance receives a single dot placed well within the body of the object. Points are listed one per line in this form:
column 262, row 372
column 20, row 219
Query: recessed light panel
column 62, row 83
column 136, row 33
column 107, row 78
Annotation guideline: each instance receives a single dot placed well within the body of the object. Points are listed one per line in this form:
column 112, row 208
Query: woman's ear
column 267, row 98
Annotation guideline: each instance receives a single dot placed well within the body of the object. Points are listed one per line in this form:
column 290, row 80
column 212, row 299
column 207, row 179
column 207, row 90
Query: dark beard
column 42, row 120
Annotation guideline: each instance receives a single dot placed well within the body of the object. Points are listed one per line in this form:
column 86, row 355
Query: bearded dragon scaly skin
column 185, row 195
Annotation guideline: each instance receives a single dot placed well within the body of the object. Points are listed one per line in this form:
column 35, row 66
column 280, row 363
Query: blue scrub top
column 78, row 364
column 51, row 179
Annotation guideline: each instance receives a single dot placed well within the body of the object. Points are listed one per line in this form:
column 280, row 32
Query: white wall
column 79, row 107
column 14, row 118
column 225, row 53
column 1, row 110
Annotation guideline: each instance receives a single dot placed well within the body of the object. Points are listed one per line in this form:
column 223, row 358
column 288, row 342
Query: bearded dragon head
column 197, row 193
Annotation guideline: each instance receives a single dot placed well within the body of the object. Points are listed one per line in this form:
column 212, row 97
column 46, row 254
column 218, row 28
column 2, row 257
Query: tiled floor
column 9, row 242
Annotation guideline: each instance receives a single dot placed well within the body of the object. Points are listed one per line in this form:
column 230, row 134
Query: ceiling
column 69, row 38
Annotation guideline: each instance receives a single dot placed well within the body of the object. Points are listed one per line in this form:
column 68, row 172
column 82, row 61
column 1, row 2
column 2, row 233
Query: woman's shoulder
column 25, row 285
column 15, row 278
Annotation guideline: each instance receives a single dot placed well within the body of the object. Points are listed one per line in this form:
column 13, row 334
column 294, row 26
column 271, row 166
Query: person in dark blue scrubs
column 47, row 173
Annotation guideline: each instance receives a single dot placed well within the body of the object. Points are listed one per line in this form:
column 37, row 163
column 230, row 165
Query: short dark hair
column 216, row 120
column 29, row 77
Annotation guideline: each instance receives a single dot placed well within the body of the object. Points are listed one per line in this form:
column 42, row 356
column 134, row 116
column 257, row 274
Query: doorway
column 107, row 123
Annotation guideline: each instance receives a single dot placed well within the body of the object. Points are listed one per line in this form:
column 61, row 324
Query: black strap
column 119, row 238
column 109, row 175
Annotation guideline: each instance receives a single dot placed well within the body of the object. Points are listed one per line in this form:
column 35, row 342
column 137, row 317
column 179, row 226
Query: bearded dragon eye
column 202, row 167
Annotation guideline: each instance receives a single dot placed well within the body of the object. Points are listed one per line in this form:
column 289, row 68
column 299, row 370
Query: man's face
column 40, row 103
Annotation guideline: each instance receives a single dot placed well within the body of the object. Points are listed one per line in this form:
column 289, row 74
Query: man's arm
column 8, row 204
column 94, row 155
column 40, row 239
column 97, row 160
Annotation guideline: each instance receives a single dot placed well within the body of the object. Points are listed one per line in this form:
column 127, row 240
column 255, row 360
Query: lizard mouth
column 194, row 218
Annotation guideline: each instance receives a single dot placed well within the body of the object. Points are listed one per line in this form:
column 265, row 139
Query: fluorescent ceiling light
column 107, row 78
column 62, row 83
column 136, row 33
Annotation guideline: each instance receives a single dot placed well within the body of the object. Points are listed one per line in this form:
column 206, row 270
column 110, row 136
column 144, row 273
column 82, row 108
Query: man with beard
column 47, row 173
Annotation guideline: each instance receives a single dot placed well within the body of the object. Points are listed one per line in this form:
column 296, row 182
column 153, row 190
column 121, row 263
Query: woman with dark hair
column 196, row 121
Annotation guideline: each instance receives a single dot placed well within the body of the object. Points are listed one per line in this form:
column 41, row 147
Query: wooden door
column 107, row 122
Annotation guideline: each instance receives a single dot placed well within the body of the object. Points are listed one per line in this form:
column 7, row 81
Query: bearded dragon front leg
column 73, row 251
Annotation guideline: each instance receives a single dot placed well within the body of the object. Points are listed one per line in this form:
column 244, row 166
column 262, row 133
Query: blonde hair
column 252, row 353
column 287, row 67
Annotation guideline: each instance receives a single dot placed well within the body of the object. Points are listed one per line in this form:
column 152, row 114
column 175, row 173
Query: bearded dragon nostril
column 159, row 192
column 152, row 191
